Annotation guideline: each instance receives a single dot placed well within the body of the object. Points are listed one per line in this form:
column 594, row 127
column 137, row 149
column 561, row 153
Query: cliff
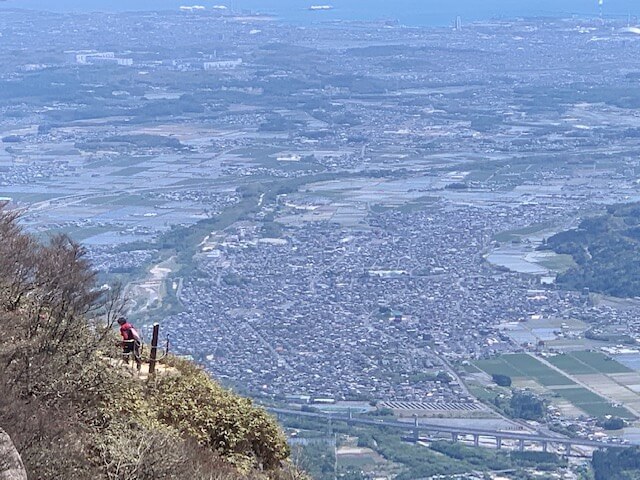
column 73, row 412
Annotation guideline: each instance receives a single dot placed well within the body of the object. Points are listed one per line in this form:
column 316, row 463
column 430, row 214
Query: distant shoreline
column 410, row 13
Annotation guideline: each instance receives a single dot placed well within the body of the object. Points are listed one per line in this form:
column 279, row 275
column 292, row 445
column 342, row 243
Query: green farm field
column 587, row 363
column 525, row 367
column 520, row 365
column 591, row 403
column 600, row 362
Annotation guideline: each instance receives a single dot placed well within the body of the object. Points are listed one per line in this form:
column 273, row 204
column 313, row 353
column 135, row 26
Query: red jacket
column 128, row 332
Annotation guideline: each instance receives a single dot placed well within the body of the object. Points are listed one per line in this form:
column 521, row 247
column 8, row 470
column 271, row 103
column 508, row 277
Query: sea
column 407, row 12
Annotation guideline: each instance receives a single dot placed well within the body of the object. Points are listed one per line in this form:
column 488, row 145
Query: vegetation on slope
column 72, row 414
column 406, row 461
column 617, row 464
column 606, row 250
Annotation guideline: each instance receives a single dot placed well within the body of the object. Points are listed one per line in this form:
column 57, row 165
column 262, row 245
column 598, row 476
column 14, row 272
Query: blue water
column 410, row 12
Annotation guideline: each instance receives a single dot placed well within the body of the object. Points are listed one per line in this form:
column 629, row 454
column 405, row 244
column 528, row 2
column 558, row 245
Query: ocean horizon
column 409, row 12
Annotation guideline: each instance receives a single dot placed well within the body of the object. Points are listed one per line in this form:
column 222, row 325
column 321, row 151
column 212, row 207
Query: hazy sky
column 408, row 11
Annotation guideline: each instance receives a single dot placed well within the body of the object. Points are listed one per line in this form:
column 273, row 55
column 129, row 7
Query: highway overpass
column 416, row 427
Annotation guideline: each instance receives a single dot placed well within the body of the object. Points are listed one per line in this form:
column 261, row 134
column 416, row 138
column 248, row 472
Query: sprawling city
column 357, row 223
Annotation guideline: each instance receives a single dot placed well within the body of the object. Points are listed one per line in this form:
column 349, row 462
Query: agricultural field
column 578, row 371
column 358, row 458
column 590, row 403
column 521, row 365
column 570, row 364
column 602, row 374
column 585, row 363
column 499, row 365
column 600, row 362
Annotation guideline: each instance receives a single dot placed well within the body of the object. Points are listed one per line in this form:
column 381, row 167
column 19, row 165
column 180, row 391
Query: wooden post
column 154, row 349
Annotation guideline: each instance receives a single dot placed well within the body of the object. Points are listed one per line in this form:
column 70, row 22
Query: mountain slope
column 73, row 414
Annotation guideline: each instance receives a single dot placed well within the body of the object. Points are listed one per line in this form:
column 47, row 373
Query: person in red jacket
column 131, row 342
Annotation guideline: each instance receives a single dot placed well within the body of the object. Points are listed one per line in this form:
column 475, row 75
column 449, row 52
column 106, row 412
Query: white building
column 95, row 58
column 223, row 64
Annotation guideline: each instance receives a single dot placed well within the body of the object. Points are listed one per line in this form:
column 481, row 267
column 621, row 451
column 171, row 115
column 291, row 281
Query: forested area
column 606, row 249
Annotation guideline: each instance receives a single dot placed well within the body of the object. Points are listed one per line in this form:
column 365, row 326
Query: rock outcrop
column 11, row 467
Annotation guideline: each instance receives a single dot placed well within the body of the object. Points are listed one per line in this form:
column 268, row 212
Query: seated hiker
column 131, row 341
